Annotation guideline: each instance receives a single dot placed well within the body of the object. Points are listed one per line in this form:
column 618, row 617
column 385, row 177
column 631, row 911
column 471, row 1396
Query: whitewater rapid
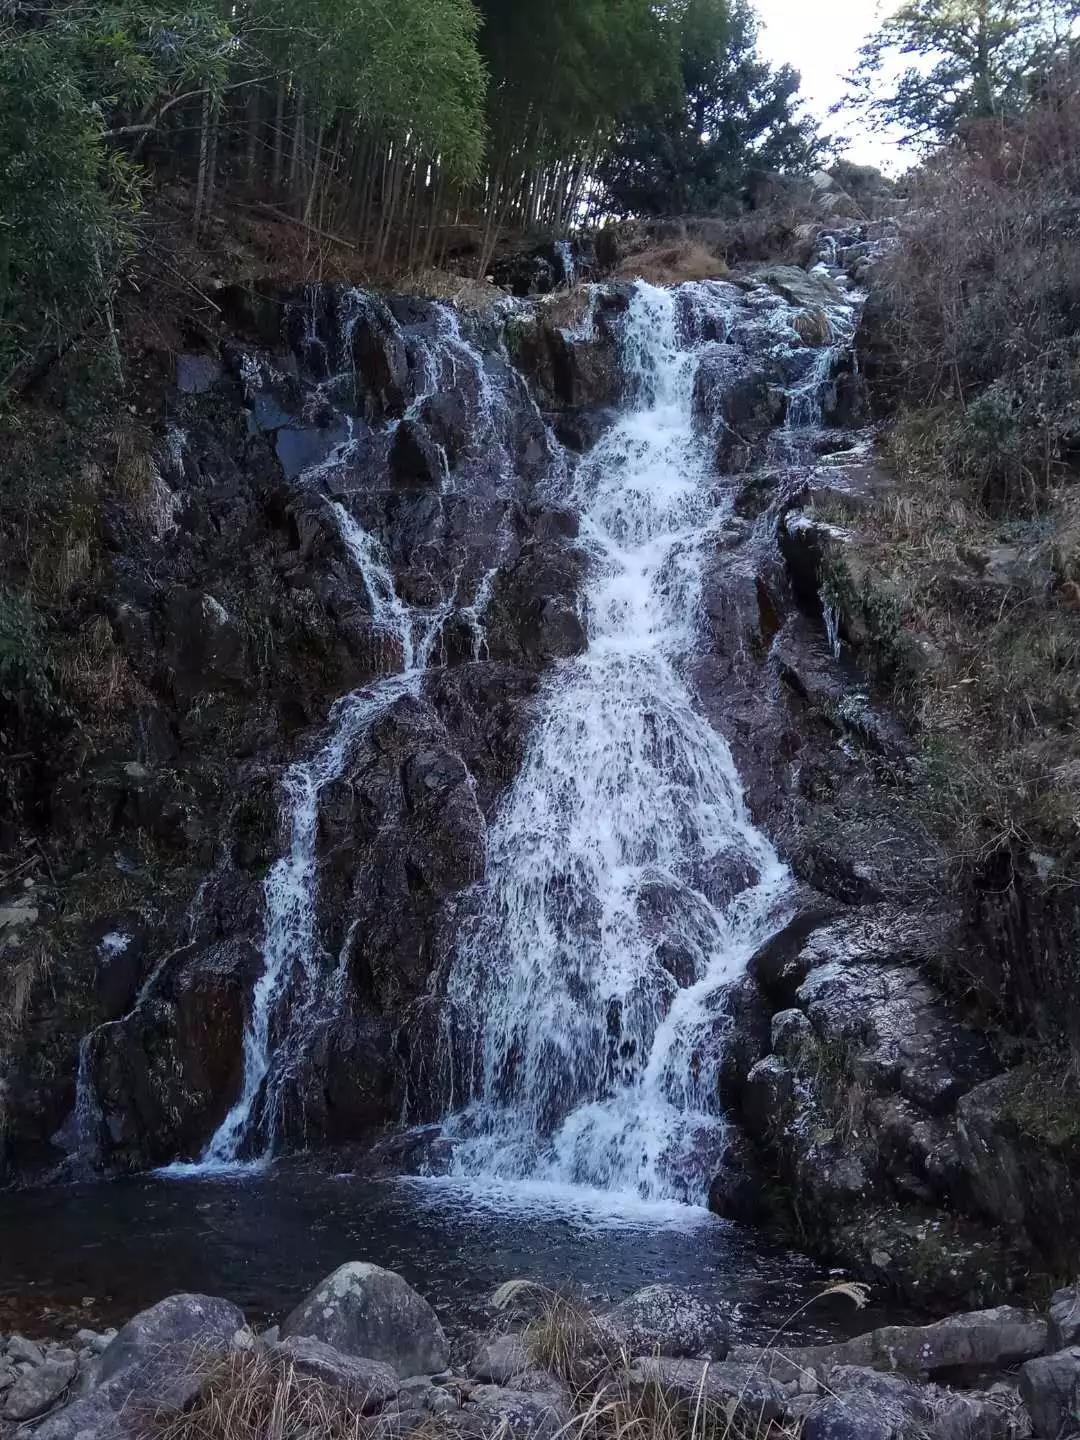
column 592, row 1058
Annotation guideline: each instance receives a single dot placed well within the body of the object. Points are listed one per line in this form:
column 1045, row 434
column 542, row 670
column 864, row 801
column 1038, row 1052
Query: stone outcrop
column 953, row 1380
column 980, row 1342
column 859, row 1099
column 366, row 1311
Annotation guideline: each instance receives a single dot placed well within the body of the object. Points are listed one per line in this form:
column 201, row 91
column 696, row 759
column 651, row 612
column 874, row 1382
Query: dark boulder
column 165, row 1075
column 415, row 458
column 1050, row 1388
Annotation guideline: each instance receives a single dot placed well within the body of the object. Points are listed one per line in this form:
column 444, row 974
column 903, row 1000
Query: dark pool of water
column 97, row 1253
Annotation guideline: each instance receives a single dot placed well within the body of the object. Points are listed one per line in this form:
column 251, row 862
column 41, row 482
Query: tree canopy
column 383, row 120
column 970, row 59
column 687, row 148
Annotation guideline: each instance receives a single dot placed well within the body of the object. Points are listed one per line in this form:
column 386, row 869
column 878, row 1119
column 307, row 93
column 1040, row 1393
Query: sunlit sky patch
column 821, row 39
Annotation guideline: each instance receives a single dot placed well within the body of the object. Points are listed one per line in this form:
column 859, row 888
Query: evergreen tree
column 689, row 151
column 973, row 60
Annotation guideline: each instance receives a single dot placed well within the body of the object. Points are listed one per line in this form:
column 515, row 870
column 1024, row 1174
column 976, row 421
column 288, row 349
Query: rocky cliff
column 334, row 587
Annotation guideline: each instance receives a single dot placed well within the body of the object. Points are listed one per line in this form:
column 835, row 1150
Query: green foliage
column 65, row 201
column 689, row 151
column 564, row 73
column 132, row 55
column 973, row 59
column 25, row 686
column 400, row 66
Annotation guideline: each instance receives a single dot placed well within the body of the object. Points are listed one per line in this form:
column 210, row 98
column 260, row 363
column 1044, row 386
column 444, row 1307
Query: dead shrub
column 252, row 1394
column 978, row 307
column 674, row 264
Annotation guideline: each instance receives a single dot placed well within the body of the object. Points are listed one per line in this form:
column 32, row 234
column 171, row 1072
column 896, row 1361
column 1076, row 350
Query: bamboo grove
column 403, row 127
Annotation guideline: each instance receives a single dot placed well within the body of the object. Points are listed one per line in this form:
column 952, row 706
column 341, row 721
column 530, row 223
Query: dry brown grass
column 24, row 971
column 94, row 674
column 258, row 1395
column 254, row 1395
column 674, row 264
column 975, row 308
column 986, row 665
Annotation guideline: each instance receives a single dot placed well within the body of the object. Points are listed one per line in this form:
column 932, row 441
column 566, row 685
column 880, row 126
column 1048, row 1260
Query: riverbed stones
column 23, row 1351
column 977, row 1341
column 39, row 1389
column 849, row 1417
column 528, row 1415
column 1050, row 1386
column 368, row 1385
column 666, row 1320
column 364, row 1310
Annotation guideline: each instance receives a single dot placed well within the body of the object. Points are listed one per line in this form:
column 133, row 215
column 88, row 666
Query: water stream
column 591, row 1058
column 300, row 983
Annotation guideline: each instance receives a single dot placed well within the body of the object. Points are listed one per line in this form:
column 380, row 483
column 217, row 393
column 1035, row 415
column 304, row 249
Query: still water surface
column 100, row 1252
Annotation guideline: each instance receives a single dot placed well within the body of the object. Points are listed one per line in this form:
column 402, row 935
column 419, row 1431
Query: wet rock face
column 860, row 1099
column 162, row 1075
column 295, row 514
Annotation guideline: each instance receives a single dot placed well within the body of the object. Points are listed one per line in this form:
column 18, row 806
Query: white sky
column 821, row 39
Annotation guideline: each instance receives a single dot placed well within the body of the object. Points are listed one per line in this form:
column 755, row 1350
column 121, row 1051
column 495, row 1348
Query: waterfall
column 585, row 1005
column 300, row 983
column 592, row 1051
column 564, row 252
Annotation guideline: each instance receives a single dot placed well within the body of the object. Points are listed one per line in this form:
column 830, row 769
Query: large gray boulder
column 1050, row 1387
column 1064, row 1318
column 368, row 1385
column 364, row 1310
column 156, row 1362
column 167, row 1333
column 664, row 1320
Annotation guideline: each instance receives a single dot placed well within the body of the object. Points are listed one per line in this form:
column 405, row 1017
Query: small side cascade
column 565, row 253
column 301, row 984
column 832, row 631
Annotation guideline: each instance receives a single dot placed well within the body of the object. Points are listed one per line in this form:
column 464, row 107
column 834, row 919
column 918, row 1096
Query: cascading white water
column 299, row 982
column 626, row 886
